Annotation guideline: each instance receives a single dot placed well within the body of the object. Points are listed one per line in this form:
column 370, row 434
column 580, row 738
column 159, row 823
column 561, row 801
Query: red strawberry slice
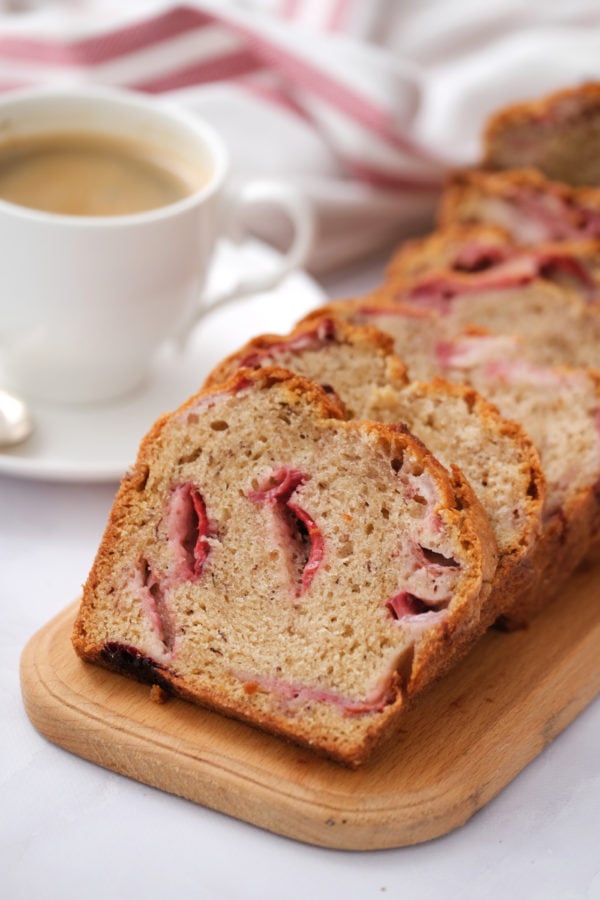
column 476, row 257
column 553, row 266
column 405, row 604
column 188, row 532
column 554, row 215
column 278, row 487
column 301, row 528
column 317, row 544
column 308, row 340
column 514, row 269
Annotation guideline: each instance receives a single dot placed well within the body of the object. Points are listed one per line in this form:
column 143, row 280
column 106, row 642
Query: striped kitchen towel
column 364, row 104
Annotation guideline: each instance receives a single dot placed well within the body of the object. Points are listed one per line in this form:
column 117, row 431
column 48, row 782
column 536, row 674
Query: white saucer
column 98, row 443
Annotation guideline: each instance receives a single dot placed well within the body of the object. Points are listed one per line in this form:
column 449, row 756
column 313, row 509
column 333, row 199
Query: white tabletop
column 70, row 829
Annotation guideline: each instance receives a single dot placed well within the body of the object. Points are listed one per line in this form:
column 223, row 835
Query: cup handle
column 297, row 210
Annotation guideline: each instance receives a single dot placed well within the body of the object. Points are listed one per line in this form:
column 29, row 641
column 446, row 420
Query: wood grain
column 460, row 745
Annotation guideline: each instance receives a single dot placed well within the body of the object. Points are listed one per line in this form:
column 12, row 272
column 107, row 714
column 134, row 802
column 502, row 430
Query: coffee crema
column 90, row 174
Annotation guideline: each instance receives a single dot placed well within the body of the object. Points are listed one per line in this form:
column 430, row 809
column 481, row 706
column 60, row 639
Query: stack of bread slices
column 342, row 511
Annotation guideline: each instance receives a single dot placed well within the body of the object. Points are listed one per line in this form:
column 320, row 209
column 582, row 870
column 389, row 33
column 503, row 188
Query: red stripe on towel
column 219, row 68
column 108, row 46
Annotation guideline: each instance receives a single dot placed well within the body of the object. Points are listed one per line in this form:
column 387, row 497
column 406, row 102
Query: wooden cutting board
column 466, row 738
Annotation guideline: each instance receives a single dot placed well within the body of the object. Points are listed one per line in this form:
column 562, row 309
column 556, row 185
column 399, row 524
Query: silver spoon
column 16, row 423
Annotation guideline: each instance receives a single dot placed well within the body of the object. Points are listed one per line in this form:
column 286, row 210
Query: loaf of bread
column 526, row 204
column 455, row 423
column 273, row 561
column 407, row 325
column 558, row 134
column 339, row 514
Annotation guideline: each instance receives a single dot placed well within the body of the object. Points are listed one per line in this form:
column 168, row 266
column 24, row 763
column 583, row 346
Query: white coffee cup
column 86, row 302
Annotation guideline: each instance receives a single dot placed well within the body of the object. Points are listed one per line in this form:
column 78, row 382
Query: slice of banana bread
column 555, row 325
column 270, row 560
column 419, row 328
column 559, row 134
column 455, row 423
column 484, row 256
column 456, row 246
column 526, row 204
column 560, row 408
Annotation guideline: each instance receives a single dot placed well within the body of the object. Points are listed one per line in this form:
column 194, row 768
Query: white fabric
column 364, row 105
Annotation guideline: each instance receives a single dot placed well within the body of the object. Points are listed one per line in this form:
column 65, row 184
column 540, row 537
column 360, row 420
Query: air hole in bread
column 345, row 549
column 190, row 457
column 438, row 559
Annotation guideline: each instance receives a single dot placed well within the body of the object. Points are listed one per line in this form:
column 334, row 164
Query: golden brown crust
column 437, row 250
column 557, row 134
column 257, row 350
column 464, row 187
column 449, row 643
column 382, row 299
column 539, row 109
column 300, row 389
